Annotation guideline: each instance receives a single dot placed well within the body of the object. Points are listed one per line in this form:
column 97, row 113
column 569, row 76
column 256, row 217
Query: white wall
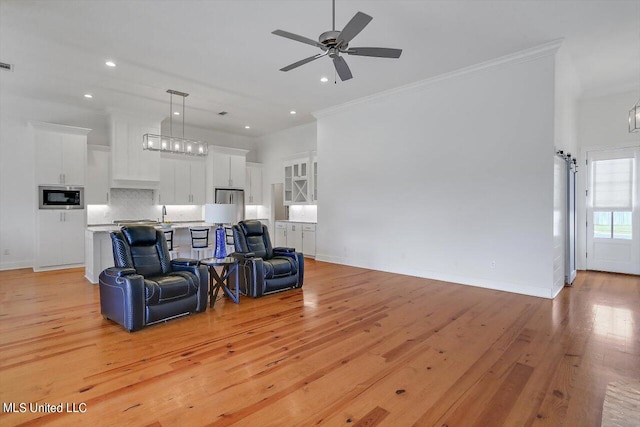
column 443, row 178
column 566, row 93
column 273, row 149
column 602, row 123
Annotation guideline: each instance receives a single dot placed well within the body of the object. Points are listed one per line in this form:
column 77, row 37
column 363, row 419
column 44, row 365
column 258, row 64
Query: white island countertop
column 104, row 228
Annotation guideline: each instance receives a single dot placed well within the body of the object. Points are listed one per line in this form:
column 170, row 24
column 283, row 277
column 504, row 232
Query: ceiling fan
column 333, row 43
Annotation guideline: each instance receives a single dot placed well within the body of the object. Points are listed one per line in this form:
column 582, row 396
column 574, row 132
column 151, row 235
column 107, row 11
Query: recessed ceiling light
column 176, row 113
column 110, row 64
column 247, row 127
column 88, row 95
column 292, row 112
column 324, row 79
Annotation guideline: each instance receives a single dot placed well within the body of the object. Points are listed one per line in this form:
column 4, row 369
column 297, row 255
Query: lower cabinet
column 99, row 254
column 60, row 238
column 298, row 235
column 309, row 240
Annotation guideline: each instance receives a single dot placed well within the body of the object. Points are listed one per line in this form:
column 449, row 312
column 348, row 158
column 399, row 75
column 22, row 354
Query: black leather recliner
column 145, row 286
column 264, row 269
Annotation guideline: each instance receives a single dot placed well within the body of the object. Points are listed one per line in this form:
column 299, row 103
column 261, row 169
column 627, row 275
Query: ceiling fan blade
column 342, row 68
column 378, row 52
column 302, row 62
column 353, row 27
column 297, row 38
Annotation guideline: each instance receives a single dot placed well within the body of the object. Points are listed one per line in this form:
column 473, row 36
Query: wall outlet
column 493, row 265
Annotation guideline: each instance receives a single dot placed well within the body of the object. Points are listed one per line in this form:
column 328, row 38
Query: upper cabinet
column 253, row 184
column 226, row 168
column 61, row 153
column 182, row 181
column 97, row 184
column 131, row 166
column 300, row 177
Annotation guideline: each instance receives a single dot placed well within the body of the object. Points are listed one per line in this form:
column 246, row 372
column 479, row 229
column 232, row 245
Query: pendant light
column 173, row 144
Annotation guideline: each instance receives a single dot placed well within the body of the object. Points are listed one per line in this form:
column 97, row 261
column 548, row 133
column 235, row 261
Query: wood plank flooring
column 354, row 347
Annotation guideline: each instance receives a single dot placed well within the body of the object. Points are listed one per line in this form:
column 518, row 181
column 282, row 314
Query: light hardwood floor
column 353, row 348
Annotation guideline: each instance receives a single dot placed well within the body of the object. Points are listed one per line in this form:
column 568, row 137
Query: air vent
column 223, row 113
column 6, row 66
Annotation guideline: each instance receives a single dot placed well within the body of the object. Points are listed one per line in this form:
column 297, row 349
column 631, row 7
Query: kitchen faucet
column 164, row 212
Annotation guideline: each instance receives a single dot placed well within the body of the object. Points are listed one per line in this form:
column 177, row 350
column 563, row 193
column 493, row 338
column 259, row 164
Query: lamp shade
column 219, row 213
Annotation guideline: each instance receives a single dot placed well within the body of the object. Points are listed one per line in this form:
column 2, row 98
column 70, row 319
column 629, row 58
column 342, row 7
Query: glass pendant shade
column 169, row 144
column 172, row 144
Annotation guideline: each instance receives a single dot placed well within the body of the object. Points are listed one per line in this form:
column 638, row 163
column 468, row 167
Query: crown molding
column 540, row 51
column 55, row 127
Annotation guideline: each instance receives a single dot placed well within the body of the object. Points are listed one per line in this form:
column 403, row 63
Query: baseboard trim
column 57, row 267
column 15, row 265
column 452, row 278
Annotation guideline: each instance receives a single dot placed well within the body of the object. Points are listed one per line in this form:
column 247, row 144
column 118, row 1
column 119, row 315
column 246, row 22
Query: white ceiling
column 223, row 55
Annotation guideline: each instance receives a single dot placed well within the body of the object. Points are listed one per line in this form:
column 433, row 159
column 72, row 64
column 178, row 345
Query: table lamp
column 220, row 214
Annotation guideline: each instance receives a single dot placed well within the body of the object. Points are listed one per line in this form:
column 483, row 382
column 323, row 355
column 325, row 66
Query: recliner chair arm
column 119, row 272
column 246, row 255
column 283, row 250
column 122, row 296
column 185, row 262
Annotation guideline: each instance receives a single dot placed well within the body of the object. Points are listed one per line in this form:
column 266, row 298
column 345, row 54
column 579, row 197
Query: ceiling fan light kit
column 333, row 43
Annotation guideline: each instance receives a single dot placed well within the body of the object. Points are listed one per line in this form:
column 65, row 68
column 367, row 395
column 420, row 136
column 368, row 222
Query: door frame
column 585, row 221
column 581, row 198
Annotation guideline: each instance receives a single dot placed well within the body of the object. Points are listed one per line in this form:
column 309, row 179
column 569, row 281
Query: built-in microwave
column 55, row 197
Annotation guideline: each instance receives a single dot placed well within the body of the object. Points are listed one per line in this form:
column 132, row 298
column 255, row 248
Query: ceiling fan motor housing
column 329, row 39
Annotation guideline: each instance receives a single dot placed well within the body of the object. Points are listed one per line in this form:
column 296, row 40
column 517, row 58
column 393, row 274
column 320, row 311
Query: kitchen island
column 99, row 252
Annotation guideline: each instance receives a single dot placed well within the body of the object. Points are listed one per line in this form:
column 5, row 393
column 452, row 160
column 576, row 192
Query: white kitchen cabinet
column 182, row 181
column 298, row 235
column 225, row 168
column 281, row 234
column 98, row 254
column 61, row 154
column 253, row 184
column 131, row 166
column 167, row 191
column 96, row 191
column 300, row 178
column 309, row 239
column 294, row 236
column 228, row 170
column 190, row 180
column 60, row 238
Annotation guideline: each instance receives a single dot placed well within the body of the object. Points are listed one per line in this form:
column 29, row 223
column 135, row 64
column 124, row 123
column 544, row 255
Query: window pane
column 612, row 183
column 602, row 225
column 622, row 225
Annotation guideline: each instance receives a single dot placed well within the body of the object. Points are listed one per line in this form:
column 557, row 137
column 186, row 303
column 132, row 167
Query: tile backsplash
column 304, row 213
column 136, row 204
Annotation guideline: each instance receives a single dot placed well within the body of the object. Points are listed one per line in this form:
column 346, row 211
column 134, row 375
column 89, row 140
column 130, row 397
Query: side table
column 221, row 281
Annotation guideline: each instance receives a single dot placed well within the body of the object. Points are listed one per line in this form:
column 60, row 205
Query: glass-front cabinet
column 314, row 193
column 296, row 182
column 299, row 181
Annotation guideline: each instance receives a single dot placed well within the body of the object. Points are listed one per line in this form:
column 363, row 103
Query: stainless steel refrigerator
column 231, row 196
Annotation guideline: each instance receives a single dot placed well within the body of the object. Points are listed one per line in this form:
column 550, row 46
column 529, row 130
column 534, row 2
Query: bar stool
column 173, row 252
column 200, row 243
